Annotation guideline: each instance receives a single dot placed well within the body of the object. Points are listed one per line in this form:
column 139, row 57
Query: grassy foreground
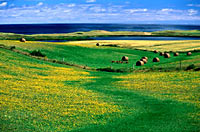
column 41, row 96
column 37, row 95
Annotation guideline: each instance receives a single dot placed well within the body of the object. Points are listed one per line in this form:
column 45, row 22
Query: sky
column 100, row 11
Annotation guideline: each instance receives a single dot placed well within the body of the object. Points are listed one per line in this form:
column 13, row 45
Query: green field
column 37, row 95
column 98, row 33
column 86, row 53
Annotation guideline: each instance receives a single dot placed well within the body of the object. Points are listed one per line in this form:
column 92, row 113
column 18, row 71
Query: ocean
column 67, row 28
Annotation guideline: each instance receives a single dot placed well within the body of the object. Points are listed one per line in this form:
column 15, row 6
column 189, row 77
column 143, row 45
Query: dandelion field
column 41, row 94
column 36, row 95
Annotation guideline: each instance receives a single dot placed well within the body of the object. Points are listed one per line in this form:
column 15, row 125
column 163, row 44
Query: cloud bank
column 91, row 13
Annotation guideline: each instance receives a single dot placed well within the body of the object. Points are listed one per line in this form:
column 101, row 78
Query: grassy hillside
column 182, row 33
column 86, row 53
column 98, row 33
column 41, row 96
column 70, row 36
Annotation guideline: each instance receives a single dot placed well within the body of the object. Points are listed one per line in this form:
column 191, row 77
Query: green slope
column 102, row 56
column 41, row 96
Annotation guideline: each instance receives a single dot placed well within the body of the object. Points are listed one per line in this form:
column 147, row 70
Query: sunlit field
column 99, row 65
column 40, row 96
column 170, row 45
column 86, row 53
column 37, row 95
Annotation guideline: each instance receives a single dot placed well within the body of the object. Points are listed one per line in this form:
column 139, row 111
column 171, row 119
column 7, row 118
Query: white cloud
column 40, row 4
column 192, row 12
column 167, row 10
column 3, row 4
column 90, row 1
column 97, row 9
column 136, row 10
column 67, row 11
column 64, row 13
column 71, row 5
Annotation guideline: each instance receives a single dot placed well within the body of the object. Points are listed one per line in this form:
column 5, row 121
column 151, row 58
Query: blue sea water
column 67, row 28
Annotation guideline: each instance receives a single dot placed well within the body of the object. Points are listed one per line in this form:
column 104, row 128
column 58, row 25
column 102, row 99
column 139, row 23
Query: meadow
column 37, row 95
column 98, row 33
column 86, row 53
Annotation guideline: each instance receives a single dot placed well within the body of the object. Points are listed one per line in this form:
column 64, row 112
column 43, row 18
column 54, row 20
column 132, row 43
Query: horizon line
column 102, row 23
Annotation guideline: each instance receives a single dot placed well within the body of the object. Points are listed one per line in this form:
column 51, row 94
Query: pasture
column 86, row 53
column 37, row 95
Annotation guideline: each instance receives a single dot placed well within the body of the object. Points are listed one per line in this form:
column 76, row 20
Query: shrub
column 109, row 69
column 12, row 47
column 197, row 69
column 111, row 45
column 37, row 53
column 190, row 67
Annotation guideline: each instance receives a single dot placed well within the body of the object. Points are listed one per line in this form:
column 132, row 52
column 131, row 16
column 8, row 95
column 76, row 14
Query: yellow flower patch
column 50, row 93
column 181, row 86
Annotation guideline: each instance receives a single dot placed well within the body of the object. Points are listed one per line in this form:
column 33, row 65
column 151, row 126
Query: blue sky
column 100, row 11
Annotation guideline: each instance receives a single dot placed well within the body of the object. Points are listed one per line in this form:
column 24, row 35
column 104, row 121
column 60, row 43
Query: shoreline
column 74, row 36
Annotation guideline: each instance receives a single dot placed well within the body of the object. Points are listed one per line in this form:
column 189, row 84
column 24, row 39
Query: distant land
column 103, row 35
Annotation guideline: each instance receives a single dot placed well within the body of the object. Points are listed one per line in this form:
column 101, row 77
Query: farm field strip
column 98, row 33
column 143, row 44
column 147, row 45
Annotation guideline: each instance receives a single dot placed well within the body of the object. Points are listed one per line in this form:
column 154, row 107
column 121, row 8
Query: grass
column 37, row 95
column 41, row 96
column 98, row 33
column 86, row 53
column 69, row 36
column 174, row 33
column 150, row 45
